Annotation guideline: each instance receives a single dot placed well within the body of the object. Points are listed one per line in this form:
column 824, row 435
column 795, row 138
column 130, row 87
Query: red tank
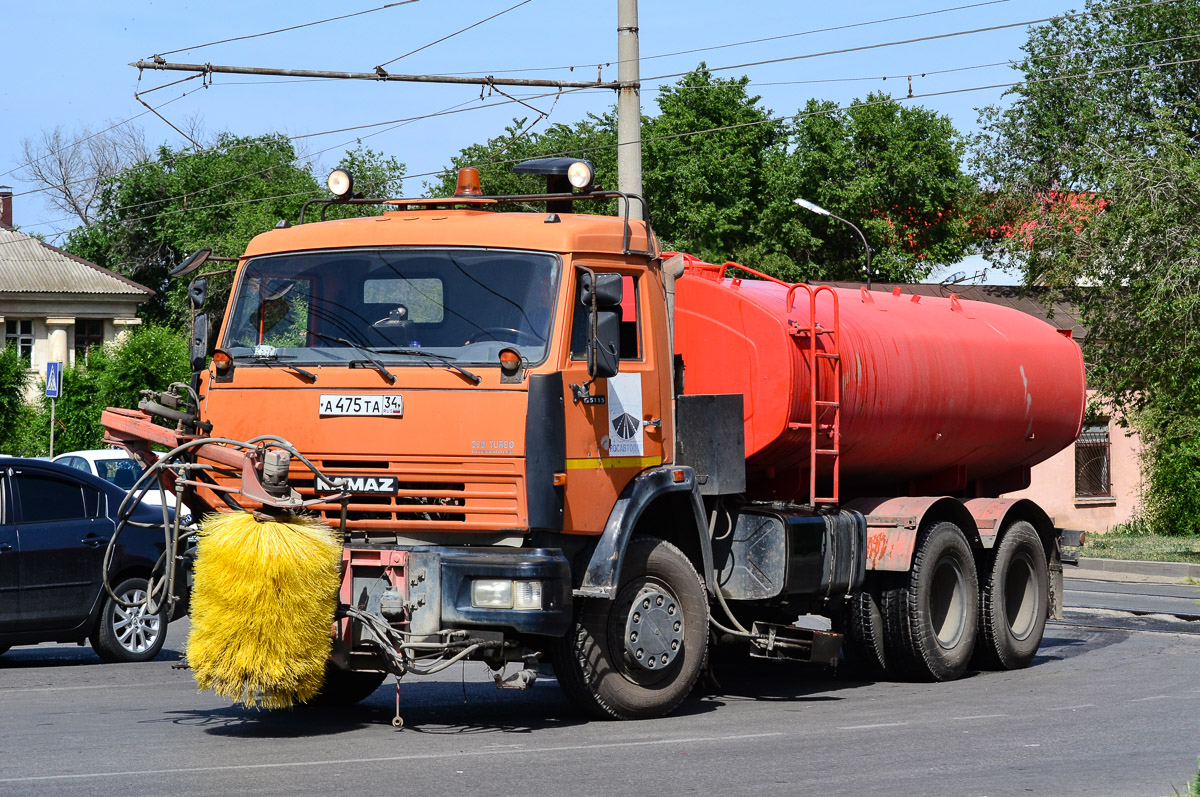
column 937, row 395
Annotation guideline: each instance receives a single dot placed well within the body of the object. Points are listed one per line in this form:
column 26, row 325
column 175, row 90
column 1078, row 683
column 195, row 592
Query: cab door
column 616, row 430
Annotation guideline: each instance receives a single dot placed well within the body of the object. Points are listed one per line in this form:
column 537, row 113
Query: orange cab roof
column 574, row 233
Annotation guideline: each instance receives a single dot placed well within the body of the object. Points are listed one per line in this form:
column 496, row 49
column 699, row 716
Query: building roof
column 1032, row 301
column 29, row 266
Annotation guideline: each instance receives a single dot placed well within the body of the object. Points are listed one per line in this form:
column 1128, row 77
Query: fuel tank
column 933, row 395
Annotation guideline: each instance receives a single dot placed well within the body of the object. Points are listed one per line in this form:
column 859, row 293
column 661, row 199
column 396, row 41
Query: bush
column 150, row 358
column 1171, row 469
column 14, row 381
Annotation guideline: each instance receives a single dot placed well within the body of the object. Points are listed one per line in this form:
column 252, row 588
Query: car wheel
column 133, row 634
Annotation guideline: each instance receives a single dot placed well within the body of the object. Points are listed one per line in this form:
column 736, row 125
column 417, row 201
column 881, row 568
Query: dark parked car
column 55, row 526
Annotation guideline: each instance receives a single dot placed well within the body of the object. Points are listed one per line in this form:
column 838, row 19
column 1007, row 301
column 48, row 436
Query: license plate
column 388, row 405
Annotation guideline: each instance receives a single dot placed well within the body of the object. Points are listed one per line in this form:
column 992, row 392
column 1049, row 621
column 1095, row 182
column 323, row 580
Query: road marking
column 77, row 688
column 341, row 762
column 1152, row 697
column 980, row 717
column 1072, row 708
column 868, row 727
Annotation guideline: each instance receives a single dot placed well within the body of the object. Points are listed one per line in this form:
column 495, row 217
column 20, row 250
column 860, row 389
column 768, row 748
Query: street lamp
column 820, row 211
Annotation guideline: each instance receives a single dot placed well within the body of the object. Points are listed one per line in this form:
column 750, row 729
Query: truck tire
column 346, row 687
column 930, row 623
column 638, row 655
column 1013, row 601
column 864, row 636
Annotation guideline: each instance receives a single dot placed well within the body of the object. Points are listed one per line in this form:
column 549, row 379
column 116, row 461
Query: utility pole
column 629, row 104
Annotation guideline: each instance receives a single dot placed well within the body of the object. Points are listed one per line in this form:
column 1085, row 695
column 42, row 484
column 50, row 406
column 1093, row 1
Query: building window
column 89, row 332
column 19, row 333
column 1093, row 475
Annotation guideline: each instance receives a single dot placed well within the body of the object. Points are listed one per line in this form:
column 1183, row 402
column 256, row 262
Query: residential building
column 55, row 306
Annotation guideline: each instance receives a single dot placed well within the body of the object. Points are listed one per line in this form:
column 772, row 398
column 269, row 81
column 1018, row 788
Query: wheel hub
column 654, row 629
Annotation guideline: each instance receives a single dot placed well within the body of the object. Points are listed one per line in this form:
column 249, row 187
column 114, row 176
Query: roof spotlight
column 580, row 174
column 341, row 184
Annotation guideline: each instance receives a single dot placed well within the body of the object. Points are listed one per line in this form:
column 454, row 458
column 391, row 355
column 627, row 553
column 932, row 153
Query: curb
column 1179, row 570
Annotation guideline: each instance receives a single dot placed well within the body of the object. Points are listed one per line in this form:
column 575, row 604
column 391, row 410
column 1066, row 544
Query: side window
column 44, row 499
column 631, row 336
column 78, row 463
column 94, row 502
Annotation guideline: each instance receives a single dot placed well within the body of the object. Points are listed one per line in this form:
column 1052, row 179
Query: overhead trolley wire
column 916, row 40
column 722, row 128
column 451, row 35
column 284, row 30
column 753, row 41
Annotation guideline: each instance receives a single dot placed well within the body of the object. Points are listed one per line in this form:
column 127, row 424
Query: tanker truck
column 549, row 446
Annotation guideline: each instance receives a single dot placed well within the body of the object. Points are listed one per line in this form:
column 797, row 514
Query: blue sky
column 65, row 63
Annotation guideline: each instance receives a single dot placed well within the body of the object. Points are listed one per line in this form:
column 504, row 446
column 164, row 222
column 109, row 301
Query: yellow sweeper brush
column 262, row 608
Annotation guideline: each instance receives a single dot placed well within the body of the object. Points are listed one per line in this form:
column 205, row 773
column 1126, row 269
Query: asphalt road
column 1111, row 706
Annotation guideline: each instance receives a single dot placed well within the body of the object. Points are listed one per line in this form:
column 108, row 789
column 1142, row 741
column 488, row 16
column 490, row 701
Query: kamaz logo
column 359, row 485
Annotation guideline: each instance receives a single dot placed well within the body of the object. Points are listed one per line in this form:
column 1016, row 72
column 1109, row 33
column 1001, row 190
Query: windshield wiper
column 447, row 361
column 366, row 353
column 273, row 360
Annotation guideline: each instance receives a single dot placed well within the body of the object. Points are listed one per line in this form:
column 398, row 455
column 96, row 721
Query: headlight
column 503, row 593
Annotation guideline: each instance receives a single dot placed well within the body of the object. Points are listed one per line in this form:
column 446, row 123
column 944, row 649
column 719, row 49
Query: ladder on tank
column 824, row 414
column 824, row 407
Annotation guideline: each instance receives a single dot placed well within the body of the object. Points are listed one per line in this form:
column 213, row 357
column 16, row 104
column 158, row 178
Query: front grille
column 450, row 496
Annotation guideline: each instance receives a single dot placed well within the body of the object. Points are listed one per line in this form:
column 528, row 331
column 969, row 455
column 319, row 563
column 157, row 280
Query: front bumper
column 426, row 590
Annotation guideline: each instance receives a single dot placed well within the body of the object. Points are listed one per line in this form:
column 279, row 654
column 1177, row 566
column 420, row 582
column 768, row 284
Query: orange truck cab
column 491, row 408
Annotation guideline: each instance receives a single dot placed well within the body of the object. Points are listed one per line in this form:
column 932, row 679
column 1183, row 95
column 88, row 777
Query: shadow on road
column 36, row 656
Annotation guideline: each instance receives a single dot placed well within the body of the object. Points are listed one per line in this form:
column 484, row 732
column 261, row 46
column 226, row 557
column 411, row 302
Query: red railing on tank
column 824, row 414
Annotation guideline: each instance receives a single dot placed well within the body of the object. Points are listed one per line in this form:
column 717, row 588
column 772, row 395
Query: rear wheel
column 864, row 635
column 1014, row 600
column 930, row 623
column 638, row 655
column 129, row 634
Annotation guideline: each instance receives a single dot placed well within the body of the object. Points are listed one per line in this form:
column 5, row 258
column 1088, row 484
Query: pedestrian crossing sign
column 53, row 379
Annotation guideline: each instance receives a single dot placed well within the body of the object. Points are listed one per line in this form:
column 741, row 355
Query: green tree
column 1098, row 181
column 151, row 358
column 153, row 214
column 593, row 139
column 720, row 172
column 894, row 170
column 14, row 381
column 706, row 189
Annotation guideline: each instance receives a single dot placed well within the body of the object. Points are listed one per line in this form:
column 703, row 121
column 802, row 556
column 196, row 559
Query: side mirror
column 199, row 347
column 193, row 262
column 602, row 296
column 197, row 293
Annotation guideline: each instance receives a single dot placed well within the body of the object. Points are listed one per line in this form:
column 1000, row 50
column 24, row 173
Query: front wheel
column 346, row 687
column 638, row 655
column 133, row 634
column 1014, row 600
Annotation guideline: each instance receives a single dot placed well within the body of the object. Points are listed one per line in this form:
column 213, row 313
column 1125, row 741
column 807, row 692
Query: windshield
column 465, row 304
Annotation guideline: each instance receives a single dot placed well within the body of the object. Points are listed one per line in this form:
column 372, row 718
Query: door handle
column 92, row 541
column 4, row 546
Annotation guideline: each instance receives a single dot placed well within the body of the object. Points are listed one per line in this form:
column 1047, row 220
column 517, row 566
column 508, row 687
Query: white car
column 117, row 466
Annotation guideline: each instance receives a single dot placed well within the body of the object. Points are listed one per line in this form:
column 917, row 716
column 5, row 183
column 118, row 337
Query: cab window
column 631, row 338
